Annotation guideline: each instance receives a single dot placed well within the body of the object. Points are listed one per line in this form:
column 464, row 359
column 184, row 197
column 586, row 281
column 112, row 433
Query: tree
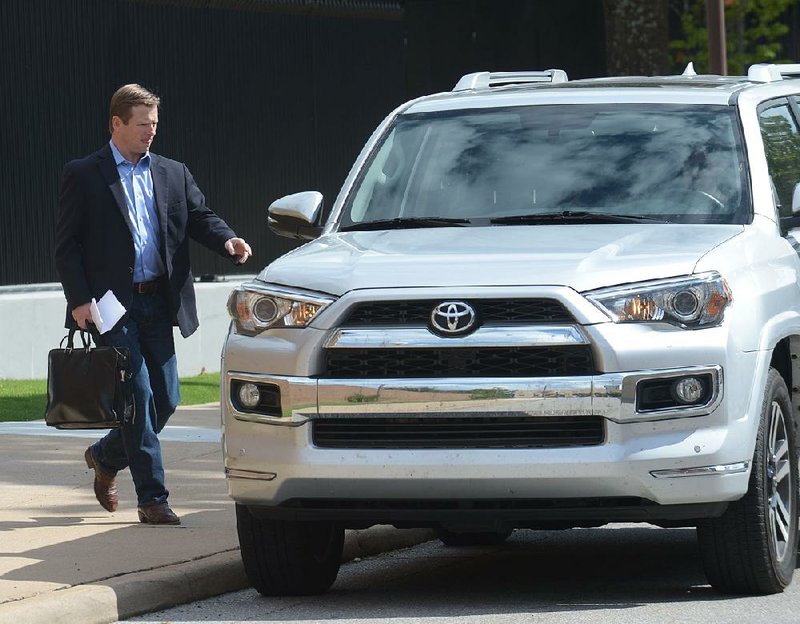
column 753, row 29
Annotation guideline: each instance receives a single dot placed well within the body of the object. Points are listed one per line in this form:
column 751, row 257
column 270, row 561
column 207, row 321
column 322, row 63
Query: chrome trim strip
column 235, row 473
column 702, row 471
column 631, row 380
column 558, row 396
column 612, row 396
column 422, row 338
column 298, row 398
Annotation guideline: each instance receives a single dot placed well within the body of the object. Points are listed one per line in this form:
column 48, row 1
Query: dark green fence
column 259, row 97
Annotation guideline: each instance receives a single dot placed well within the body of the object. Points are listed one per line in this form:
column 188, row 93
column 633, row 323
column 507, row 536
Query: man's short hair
column 125, row 98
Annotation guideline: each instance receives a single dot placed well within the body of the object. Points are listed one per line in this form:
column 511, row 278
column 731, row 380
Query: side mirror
column 296, row 216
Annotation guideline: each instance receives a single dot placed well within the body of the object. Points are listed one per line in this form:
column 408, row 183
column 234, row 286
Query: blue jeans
column 147, row 333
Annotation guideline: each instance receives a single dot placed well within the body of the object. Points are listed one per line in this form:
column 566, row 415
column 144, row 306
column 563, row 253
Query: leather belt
column 147, row 288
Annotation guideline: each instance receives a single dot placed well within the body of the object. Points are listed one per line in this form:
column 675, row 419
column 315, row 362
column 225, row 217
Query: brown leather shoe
column 105, row 487
column 158, row 513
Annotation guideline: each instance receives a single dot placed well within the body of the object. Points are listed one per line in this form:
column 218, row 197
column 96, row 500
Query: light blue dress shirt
column 137, row 181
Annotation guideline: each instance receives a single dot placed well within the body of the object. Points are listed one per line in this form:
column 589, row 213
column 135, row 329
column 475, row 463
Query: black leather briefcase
column 88, row 387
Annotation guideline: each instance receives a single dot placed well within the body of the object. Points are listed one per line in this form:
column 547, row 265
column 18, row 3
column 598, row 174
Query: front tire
column 752, row 547
column 287, row 558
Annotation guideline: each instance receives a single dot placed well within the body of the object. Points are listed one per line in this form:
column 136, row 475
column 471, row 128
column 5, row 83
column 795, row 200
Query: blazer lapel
column 161, row 190
column 105, row 160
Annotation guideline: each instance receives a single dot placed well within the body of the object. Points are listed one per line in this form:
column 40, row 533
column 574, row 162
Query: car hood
column 582, row 257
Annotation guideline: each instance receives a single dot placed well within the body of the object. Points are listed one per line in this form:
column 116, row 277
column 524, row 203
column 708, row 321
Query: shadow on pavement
column 535, row 572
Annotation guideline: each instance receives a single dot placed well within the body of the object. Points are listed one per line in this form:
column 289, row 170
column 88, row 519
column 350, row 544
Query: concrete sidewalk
column 64, row 559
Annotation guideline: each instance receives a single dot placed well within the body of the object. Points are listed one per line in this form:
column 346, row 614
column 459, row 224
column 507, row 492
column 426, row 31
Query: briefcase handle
column 86, row 339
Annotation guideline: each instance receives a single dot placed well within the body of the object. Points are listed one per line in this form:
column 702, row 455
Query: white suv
column 537, row 304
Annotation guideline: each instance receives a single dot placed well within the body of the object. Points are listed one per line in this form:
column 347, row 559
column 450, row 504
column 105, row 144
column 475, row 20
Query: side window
column 781, row 137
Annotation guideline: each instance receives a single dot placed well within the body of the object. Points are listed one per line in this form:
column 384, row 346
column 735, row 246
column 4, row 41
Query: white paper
column 106, row 312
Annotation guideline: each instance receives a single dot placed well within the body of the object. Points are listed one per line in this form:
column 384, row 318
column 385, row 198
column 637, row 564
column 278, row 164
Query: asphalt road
column 616, row 574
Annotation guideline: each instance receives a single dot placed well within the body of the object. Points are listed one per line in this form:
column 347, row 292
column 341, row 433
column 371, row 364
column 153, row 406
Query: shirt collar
column 119, row 159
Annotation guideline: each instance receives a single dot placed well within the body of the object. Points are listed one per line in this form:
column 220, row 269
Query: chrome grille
column 556, row 361
column 458, row 432
column 489, row 311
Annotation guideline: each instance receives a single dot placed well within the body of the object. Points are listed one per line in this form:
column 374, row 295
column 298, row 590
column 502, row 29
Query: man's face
column 136, row 136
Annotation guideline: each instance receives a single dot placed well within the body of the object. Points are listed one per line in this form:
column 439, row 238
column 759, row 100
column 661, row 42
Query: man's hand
column 82, row 315
column 238, row 247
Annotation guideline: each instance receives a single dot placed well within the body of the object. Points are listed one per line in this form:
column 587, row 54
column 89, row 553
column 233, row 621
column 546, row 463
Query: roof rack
column 485, row 80
column 770, row 72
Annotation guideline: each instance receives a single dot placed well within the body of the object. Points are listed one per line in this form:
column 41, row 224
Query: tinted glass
column 676, row 163
column 782, row 145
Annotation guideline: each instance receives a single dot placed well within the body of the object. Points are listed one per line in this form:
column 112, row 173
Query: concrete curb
column 136, row 593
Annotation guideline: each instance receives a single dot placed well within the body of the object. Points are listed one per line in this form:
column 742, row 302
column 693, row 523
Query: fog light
column 688, row 390
column 249, row 395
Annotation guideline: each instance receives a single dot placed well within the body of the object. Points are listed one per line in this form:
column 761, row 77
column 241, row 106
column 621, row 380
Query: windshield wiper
column 400, row 223
column 573, row 216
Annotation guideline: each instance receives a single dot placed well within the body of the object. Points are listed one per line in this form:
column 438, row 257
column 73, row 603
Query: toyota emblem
column 453, row 318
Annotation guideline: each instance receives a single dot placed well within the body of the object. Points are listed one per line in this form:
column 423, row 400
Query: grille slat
column 426, row 429
column 489, row 311
column 467, row 432
column 552, row 361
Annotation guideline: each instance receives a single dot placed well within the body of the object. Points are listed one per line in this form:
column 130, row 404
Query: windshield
column 551, row 163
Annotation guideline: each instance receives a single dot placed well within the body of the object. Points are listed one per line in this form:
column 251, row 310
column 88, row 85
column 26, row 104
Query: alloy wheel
column 779, row 483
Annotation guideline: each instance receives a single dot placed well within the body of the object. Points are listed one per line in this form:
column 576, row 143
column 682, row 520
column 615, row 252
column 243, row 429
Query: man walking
column 123, row 223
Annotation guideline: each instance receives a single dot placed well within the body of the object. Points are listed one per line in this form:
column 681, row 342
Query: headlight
column 256, row 307
column 692, row 302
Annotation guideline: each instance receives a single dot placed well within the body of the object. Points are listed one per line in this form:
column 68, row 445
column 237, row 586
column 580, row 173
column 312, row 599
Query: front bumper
column 272, row 463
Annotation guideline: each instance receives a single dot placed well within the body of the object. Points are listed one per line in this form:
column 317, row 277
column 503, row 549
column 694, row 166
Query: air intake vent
column 460, row 432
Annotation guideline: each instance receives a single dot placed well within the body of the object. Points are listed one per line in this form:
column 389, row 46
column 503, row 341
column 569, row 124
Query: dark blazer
column 94, row 247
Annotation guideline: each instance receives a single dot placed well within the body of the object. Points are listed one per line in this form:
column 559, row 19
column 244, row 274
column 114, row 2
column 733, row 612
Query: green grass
column 22, row 399
column 200, row 389
column 26, row 399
